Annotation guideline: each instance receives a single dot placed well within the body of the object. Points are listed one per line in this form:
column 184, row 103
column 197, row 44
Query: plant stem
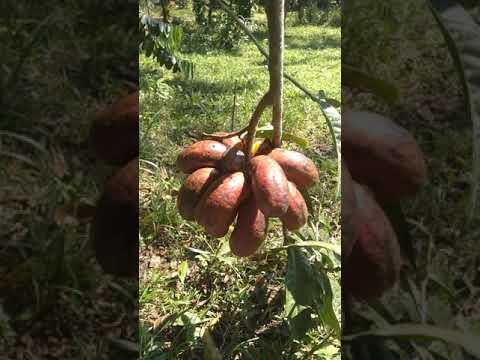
column 234, row 108
column 226, row 136
column 264, row 102
column 275, row 11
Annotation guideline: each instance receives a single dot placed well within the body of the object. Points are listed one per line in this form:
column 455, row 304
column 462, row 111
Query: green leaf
column 299, row 317
column 469, row 342
column 299, row 279
column 325, row 308
column 183, row 271
column 357, row 78
column 334, row 123
column 312, row 244
column 462, row 35
column 267, row 132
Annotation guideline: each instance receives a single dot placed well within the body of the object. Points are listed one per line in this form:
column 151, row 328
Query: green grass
column 238, row 302
column 47, row 178
column 438, row 289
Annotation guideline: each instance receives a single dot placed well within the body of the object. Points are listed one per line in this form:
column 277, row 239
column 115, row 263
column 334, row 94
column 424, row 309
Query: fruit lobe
column 114, row 230
column 298, row 168
column 374, row 263
column 297, row 213
column 270, row 186
column 218, row 206
column 205, row 153
column 250, row 230
column 233, row 160
column 114, row 131
column 192, row 189
column 382, row 155
column 349, row 205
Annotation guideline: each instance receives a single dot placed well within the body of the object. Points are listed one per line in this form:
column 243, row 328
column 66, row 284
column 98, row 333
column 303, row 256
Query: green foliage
column 61, row 61
column 162, row 41
column 218, row 30
column 380, row 22
column 316, row 11
column 422, row 318
column 465, row 52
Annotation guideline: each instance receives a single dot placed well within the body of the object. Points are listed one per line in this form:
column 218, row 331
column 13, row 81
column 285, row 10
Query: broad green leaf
column 299, row 279
column 334, row 123
column 359, row 79
column 299, row 317
column 462, row 35
column 469, row 342
column 325, row 307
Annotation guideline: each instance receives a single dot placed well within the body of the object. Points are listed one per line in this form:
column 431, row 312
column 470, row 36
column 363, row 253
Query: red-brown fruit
column 250, row 230
column 229, row 142
column 114, row 229
column 218, row 206
column 205, row 153
column 114, row 131
column 192, row 189
column 270, row 186
column 349, row 205
column 382, row 155
column 374, row 263
column 297, row 213
column 298, row 168
column 233, row 141
column 233, row 160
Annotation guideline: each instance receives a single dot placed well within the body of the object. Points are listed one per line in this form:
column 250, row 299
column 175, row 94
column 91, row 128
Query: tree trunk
column 275, row 18
column 210, row 12
column 164, row 5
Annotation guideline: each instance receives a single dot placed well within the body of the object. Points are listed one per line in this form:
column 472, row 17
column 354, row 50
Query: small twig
column 234, row 108
column 286, row 239
column 264, row 102
column 226, row 136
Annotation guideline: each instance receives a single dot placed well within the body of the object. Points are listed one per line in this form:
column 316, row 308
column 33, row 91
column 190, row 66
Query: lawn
column 439, row 279
column 194, row 296
column 54, row 298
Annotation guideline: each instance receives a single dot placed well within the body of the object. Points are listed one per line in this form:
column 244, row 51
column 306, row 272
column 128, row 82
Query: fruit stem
column 286, row 238
column 264, row 102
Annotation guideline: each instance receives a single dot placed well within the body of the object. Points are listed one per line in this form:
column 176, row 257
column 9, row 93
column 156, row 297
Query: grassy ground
column 441, row 288
column 54, row 299
column 190, row 285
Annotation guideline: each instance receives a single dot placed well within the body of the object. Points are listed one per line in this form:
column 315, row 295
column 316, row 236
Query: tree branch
column 275, row 14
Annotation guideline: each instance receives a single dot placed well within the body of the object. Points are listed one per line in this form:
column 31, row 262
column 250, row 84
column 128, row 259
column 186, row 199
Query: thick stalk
column 275, row 14
column 264, row 102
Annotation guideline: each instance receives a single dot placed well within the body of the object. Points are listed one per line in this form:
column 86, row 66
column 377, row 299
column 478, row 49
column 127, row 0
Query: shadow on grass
column 320, row 43
column 251, row 330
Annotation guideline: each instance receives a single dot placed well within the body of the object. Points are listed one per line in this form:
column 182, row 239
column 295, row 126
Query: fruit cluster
column 381, row 165
column 114, row 228
column 223, row 185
